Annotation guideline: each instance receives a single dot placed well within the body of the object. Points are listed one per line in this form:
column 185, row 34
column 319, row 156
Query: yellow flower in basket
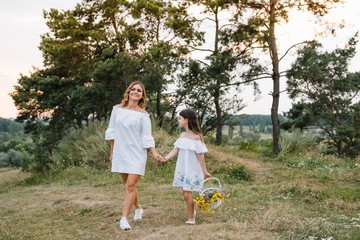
column 210, row 198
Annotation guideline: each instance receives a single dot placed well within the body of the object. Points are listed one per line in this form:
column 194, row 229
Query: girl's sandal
column 192, row 221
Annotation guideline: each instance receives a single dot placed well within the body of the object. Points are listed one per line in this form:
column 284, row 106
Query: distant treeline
column 16, row 147
column 251, row 120
column 9, row 126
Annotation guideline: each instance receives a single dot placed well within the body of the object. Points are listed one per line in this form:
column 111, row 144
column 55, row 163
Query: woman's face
column 136, row 92
column 182, row 122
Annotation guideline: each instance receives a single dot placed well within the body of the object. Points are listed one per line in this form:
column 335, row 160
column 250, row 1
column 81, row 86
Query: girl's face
column 136, row 92
column 182, row 122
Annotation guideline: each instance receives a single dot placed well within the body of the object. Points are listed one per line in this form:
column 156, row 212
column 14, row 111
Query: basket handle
column 213, row 178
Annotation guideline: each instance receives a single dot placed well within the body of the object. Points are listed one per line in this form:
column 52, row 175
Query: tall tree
column 266, row 15
column 87, row 65
column 327, row 95
column 226, row 63
column 91, row 54
column 167, row 29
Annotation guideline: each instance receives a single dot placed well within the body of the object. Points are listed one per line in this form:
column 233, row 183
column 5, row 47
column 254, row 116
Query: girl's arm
column 201, row 158
column 171, row 154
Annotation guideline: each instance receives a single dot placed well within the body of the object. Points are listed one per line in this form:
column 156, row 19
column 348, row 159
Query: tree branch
column 199, row 49
column 287, row 51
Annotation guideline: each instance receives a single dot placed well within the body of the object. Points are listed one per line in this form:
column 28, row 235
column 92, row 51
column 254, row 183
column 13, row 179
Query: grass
column 295, row 197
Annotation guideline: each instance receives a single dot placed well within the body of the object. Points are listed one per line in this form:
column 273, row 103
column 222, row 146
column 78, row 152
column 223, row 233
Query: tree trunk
column 276, row 80
column 219, row 124
column 231, row 132
column 158, row 109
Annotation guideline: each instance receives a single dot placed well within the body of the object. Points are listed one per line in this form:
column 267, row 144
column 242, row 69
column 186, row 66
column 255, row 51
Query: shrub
column 14, row 158
column 298, row 141
column 233, row 174
column 86, row 146
column 249, row 146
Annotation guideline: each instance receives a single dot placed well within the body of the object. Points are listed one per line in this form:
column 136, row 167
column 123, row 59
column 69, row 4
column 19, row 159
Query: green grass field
column 297, row 198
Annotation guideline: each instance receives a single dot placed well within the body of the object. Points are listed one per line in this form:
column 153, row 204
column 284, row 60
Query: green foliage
column 16, row 148
column 11, row 127
column 14, row 158
column 326, row 92
column 251, row 120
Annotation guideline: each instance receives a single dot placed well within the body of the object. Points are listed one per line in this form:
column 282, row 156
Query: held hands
column 157, row 156
column 163, row 159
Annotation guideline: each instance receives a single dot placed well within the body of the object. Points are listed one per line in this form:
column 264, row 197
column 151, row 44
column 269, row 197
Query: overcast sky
column 22, row 23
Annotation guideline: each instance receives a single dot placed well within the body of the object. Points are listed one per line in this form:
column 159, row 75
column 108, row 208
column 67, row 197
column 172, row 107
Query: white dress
column 188, row 173
column 131, row 132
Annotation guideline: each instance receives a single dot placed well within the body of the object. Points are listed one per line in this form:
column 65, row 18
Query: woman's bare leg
column 124, row 177
column 131, row 181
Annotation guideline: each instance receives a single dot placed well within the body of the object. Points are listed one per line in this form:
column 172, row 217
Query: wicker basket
column 209, row 191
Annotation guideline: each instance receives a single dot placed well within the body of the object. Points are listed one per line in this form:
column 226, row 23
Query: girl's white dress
column 131, row 132
column 188, row 173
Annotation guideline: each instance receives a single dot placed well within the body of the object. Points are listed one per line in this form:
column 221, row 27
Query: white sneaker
column 138, row 213
column 124, row 225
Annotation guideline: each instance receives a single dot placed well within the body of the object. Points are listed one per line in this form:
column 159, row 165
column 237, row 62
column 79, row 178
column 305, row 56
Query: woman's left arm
column 147, row 138
column 156, row 155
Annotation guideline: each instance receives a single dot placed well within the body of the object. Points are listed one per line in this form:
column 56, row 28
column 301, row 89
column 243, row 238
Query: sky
column 22, row 24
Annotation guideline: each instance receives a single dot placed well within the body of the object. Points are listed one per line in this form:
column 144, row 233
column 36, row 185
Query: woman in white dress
column 129, row 135
column 190, row 169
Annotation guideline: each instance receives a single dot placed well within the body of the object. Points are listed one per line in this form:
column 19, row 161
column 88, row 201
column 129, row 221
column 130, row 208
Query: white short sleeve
column 188, row 144
column 110, row 131
column 146, row 135
column 200, row 147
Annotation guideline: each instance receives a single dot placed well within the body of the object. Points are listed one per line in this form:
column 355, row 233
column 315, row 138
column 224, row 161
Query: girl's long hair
column 193, row 122
column 142, row 101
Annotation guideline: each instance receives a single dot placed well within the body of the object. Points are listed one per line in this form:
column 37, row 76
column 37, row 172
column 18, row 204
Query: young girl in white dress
column 190, row 169
column 129, row 135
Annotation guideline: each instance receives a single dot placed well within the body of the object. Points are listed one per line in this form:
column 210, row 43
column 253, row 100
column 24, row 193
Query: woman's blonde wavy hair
column 142, row 101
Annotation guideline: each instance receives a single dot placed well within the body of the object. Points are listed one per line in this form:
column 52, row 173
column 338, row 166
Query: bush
column 86, row 146
column 249, row 146
column 14, row 158
column 234, row 141
column 298, row 141
column 250, row 136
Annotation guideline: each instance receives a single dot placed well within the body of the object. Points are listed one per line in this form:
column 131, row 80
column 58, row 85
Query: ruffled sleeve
column 146, row 136
column 110, row 131
column 189, row 144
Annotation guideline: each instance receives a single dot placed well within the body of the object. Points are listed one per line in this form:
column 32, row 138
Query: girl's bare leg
column 189, row 204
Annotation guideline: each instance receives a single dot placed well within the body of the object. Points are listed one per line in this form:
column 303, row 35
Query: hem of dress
column 140, row 174
column 187, row 190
